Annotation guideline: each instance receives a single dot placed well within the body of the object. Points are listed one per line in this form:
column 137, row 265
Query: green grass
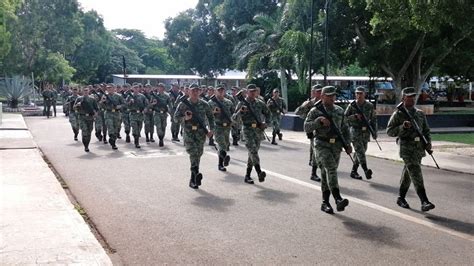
column 467, row 138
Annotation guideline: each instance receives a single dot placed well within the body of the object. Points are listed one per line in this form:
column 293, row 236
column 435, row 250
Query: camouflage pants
column 136, row 122
column 313, row 155
column 100, row 122
column 126, row 122
column 276, row 119
column 149, row 123
column 360, row 148
column 74, row 120
column 221, row 135
column 194, row 143
column 235, row 131
column 47, row 108
column 328, row 159
column 86, row 123
column 112, row 122
column 412, row 173
column 160, row 123
column 175, row 128
column 253, row 138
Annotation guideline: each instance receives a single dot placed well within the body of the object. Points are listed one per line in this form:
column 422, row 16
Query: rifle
column 366, row 122
column 158, row 101
column 334, row 128
column 415, row 125
column 241, row 98
column 223, row 111
column 279, row 107
column 195, row 117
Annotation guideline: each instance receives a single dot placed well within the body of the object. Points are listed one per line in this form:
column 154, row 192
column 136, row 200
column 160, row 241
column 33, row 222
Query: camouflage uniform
column 276, row 107
column 113, row 105
column 148, row 120
column 253, row 133
column 47, row 101
column 174, row 95
column 126, row 119
column 54, row 100
column 236, row 125
column 161, row 108
column 66, row 106
column 411, row 151
column 136, row 107
column 194, row 136
column 100, row 126
column 73, row 115
column 223, row 125
column 87, row 108
column 360, row 135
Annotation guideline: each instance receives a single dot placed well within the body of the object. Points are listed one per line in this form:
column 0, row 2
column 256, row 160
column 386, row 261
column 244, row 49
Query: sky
column 145, row 15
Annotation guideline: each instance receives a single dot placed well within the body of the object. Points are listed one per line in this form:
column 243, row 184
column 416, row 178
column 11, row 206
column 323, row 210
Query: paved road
column 140, row 202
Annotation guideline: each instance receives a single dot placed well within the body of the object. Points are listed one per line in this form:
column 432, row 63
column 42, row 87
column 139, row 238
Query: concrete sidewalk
column 450, row 156
column 38, row 223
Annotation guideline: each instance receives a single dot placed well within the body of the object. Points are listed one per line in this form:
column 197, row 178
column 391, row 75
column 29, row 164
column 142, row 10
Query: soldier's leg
column 104, row 128
column 314, row 165
column 405, row 182
column 134, row 123
column 48, row 109
column 195, row 148
column 363, row 159
column 330, row 161
column 280, row 135
column 247, row 133
column 414, row 169
column 119, row 126
column 98, row 127
column 152, row 127
column 275, row 130
column 73, row 121
column 174, row 131
column 85, row 133
column 326, row 192
column 235, row 135
column 256, row 159
column 54, row 108
column 358, row 158
column 126, row 125
column 109, row 125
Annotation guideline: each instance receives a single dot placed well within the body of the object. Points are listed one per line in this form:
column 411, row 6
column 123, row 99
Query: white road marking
column 368, row 204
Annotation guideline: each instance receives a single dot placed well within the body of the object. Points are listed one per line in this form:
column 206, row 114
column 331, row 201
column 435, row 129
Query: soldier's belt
column 361, row 128
column 194, row 127
column 137, row 111
column 113, row 110
column 252, row 125
column 331, row 140
column 223, row 124
column 416, row 139
column 87, row 114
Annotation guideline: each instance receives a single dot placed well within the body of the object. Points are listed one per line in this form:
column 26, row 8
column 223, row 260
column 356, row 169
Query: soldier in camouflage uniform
column 328, row 146
column 48, row 96
column 174, row 95
column 64, row 96
column 148, row 116
column 277, row 107
column 253, row 129
column 411, row 148
column 302, row 111
column 137, row 103
column 161, row 104
column 195, row 134
column 87, row 108
column 113, row 103
column 72, row 114
column 126, row 113
column 99, row 123
column 236, row 125
column 222, row 109
column 360, row 134
column 54, row 100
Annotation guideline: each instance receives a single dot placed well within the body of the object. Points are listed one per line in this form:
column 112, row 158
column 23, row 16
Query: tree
column 7, row 13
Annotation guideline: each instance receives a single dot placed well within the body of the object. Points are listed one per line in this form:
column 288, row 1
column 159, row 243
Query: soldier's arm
column 237, row 116
column 350, row 115
column 210, row 117
column 178, row 115
column 312, row 121
column 395, row 125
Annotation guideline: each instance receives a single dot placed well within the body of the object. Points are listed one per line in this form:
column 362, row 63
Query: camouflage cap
column 235, row 88
column 126, row 85
column 409, row 91
column 193, row 86
column 329, row 90
column 276, row 90
column 160, row 85
column 251, row 87
column 360, row 89
column 148, row 86
column 317, row 87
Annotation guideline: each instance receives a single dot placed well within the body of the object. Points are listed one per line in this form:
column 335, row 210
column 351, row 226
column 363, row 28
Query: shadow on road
column 388, row 189
column 379, row 234
column 354, row 192
column 456, row 225
column 275, row 196
column 209, row 201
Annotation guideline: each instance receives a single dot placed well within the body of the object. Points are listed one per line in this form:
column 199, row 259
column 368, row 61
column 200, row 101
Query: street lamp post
column 326, row 43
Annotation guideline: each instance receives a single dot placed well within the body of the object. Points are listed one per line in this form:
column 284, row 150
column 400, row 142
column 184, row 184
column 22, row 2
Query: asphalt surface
column 141, row 203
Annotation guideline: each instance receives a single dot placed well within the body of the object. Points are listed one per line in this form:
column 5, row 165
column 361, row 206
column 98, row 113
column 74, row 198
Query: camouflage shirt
column 114, row 102
column 359, row 129
column 326, row 136
column 163, row 102
column 139, row 102
column 276, row 105
column 223, row 117
column 88, row 105
column 204, row 113
column 259, row 107
column 303, row 110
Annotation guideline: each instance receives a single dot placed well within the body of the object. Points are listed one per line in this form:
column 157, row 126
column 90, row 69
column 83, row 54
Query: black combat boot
column 220, row 166
column 76, row 132
column 86, row 141
column 426, row 205
column 261, row 174
column 137, row 143
column 118, row 136
column 211, row 141
column 198, row 176
column 325, row 206
column 248, row 179
column 127, row 138
column 401, row 198
column 235, row 141
column 273, row 139
column 368, row 172
column 112, row 143
column 314, row 176
column 161, row 142
column 340, row 202
column 151, row 136
column 226, row 158
column 98, row 135
column 192, row 181
column 147, row 139
column 354, row 173
column 280, row 136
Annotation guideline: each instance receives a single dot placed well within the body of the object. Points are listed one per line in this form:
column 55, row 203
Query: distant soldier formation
column 198, row 113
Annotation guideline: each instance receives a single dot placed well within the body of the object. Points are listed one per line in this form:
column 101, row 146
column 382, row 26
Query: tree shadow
column 381, row 235
column 209, row 201
column 274, row 196
column 456, row 225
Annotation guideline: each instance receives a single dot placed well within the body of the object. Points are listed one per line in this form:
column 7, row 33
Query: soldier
column 222, row 109
column 411, row 148
column 113, row 103
column 99, row 124
column 126, row 112
column 236, row 125
column 47, row 100
column 174, row 95
column 148, row 116
column 64, row 96
column 277, row 107
column 328, row 146
column 360, row 134
column 161, row 104
column 250, row 110
column 207, row 98
column 54, row 100
column 302, row 111
column 194, row 114
column 203, row 94
column 73, row 116
column 87, row 109
column 137, row 103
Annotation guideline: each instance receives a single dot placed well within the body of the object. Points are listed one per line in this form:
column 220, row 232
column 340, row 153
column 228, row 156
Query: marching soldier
column 302, row 111
column 174, row 95
column 194, row 112
column 65, row 95
column 412, row 149
column 360, row 134
column 250, row 110
column 148, row 116
column 328, row 145
column 207, row 97
column 277, row 107
column 54, row 100
column 161, row 105
column 47, row 100
column 137, row 103
column 73, row 116
column 126, row 112
column 236, row 125
column 87, row 109
column 113, row 103
column 99, row 124
column 222, row 109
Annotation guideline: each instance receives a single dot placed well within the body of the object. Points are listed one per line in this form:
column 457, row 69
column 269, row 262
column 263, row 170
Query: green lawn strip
column 467, row 138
